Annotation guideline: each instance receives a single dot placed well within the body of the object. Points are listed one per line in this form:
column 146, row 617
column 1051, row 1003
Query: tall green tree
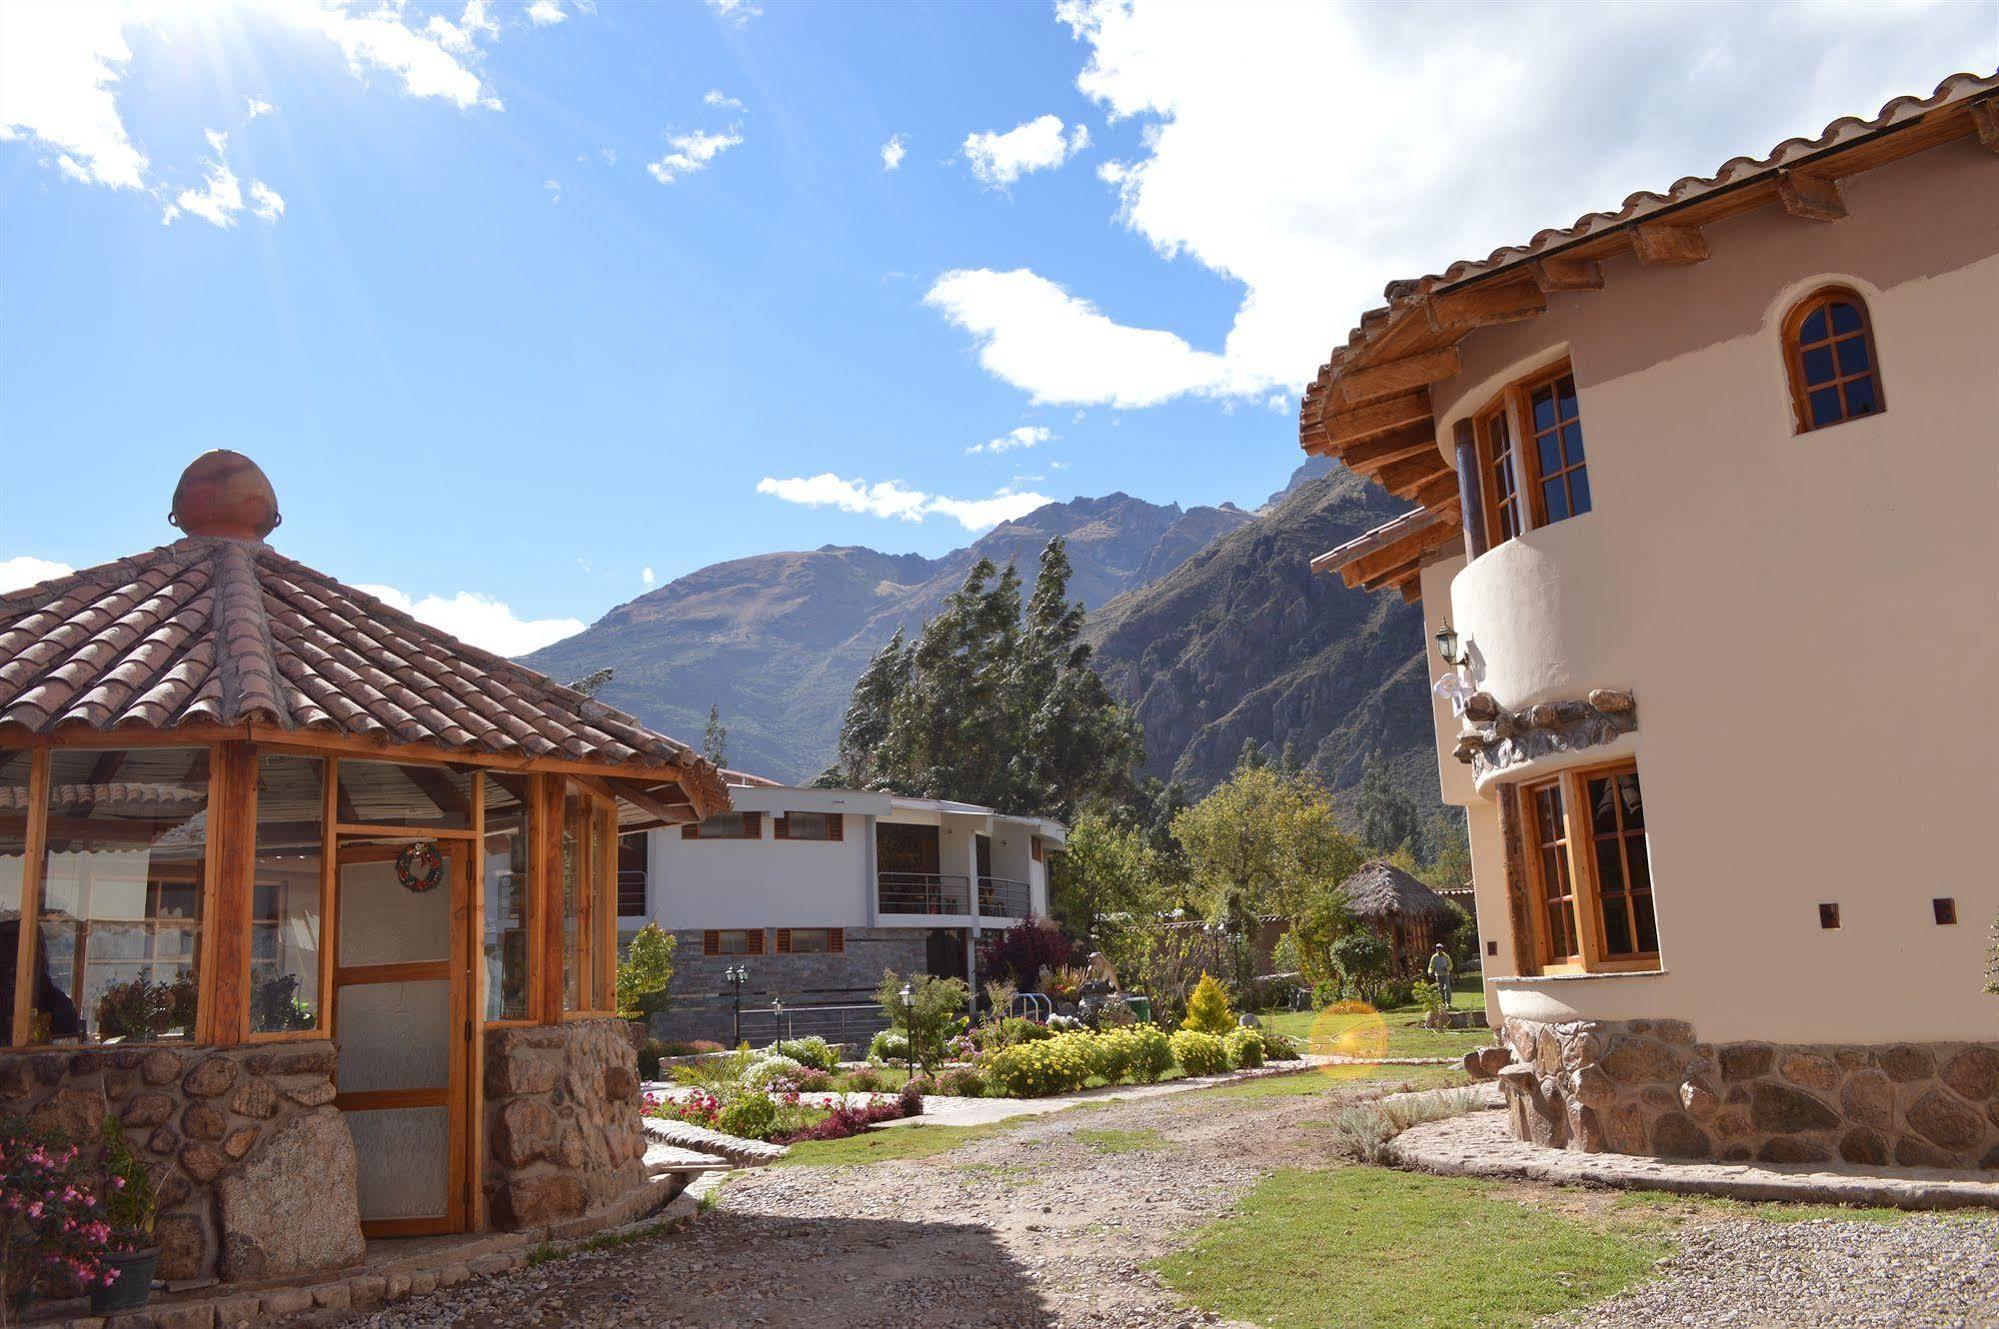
column 994, row 702
column 1104, row 880
column 1264, row 843
column 1388, row 817
column 715, row 738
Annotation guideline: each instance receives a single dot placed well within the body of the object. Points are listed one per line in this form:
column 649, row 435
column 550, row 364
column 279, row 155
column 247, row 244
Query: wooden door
column 401, row 1014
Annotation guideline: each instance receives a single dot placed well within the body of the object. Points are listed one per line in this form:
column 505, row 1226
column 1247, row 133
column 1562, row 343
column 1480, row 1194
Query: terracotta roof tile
column 222, row 630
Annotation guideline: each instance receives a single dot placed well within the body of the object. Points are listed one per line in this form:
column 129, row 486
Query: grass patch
column 1391, row 1033
column 921, row 1140
column 1137, row 1141
column 1326, row 1079
column 1368, row 1248
column 1674, row 1210
column 1361, row 1131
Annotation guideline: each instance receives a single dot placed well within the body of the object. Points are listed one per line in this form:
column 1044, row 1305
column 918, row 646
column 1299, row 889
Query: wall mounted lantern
column 1448, row 646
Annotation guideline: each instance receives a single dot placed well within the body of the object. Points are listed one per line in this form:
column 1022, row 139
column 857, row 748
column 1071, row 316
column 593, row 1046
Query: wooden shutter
column 783, row 832
column 756, row 938
column 711, row 942
column 836, row 938
column 691, row 831
column 783, row 934
column 836, row 825
column 753, row 829
column 1034, row 847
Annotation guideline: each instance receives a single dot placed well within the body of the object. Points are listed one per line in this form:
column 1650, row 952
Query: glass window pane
column 807, row 826
column 1631, row 801
column 1572, row 442
column 1609, row 866
column 1579, row 492
column 127, row 843
column 1813, row 329
column 1825, row 407
column 1544, row 409
column 1602, row 810
column 1818, row 365
column 14, row 766
column 1648, row 923
column 574, row 840
column 1641, row 866
column 505, row 862
column 382, row 921
column 1852, row 355
column 1565, row 394
column 1860, row 398
column 1845, row 318
column 395, row 1035
column 385, row 793
column 403, row 1158
column 808, row 941
column 1549, row 447
column 732, row 826
column 285, row 904
column 1555, row 500
column 1616, row 926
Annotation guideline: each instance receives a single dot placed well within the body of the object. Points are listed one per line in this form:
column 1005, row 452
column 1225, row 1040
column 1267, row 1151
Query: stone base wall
column 701, row 1001
column 255, row 1170
column 1650, row 1087
column 562, row 1121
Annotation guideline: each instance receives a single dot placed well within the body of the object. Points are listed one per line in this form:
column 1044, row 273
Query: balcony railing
column 631, row 892
column 924, row 893
column 944, row 893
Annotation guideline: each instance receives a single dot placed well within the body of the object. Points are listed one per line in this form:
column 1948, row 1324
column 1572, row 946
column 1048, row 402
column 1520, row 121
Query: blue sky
column 522, row 305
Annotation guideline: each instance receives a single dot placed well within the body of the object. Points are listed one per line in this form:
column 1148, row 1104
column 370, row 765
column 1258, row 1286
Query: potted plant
column 130, row 1205
column 52, row 1232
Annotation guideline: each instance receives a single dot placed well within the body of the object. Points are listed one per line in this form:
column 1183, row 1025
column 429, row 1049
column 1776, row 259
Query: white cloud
column 645, row 577
column 1058, row 465
column 542, row 13
column 890, row 498
column 1313, row 152
column 480, row 619
column 737, row 12
column 1022, row 436
column 721, row 100
column 1039, row 145
column 692, row 152
column 462, row 37
column 257, row 106
column 220, row 197
column 893, row 152
column 1061, row 348
column 610, row 156
column 17, row 574
column 553, row 189
column 59, row 67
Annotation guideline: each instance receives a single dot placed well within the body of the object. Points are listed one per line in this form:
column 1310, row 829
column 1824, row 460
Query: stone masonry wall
column 255, row 1170
column 562, row 1121
column 1649, row 1087
column 701, row 1002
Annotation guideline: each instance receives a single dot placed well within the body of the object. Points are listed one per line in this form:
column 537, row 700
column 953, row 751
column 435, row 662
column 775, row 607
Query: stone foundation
column 1649, row 1087
column 700, row 998
column 562, row 1121
column 255, row 1171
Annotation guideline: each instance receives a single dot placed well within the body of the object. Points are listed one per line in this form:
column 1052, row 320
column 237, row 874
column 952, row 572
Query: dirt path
column 1047, row 1225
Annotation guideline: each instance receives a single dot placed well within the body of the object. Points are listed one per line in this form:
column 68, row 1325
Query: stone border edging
column 1482, row 1144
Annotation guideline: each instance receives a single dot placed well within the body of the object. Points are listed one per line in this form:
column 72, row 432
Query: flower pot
column 131, row 1281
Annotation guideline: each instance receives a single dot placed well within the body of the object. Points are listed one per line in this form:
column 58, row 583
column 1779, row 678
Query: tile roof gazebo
column 323, row 899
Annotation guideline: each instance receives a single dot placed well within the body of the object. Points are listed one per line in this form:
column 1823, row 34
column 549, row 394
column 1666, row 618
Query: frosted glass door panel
column 382, row 922
column 403, row 1157
column 395, row 1035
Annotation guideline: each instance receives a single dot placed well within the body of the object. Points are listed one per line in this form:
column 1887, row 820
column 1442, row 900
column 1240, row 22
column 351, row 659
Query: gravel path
column 1050, row 1224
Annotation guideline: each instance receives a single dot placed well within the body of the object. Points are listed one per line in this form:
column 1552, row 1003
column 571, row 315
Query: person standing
column 1441, row 970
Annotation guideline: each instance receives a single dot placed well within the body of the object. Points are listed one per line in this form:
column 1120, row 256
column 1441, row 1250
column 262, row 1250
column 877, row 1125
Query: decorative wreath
column 419, row 867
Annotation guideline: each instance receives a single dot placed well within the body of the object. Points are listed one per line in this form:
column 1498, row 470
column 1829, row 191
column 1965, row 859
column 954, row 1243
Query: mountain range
column 1207, row 620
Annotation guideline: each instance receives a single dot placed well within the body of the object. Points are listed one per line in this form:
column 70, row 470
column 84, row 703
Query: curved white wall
column 1809, row 621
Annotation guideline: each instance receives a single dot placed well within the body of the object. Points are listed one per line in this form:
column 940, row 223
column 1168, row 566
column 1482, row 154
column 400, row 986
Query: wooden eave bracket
column 1342, row 429
column 1383, row 450
column 1568, row 274
column 1389, row 557
column 1484, row 306
column 1666, row 245
column 1813, row 197
column 1398, row 376
column 1985, row 119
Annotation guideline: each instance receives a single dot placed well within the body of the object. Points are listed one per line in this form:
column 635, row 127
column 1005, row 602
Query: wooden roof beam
column 1346, row 428
column 1985, row 119
column 1412, row 590
column 1664, row 245
column 1394, row 576
column 1439, row 493
column 1568, row 274
column 1410, row 441
column 1398, row 376
column 1402, row 478
column 1483, row 306
column 1813, row 197
column 1414, row 545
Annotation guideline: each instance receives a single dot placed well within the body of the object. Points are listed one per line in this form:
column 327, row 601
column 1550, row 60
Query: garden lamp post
column 908, row 995
column 776, row 1018
column 738, row 975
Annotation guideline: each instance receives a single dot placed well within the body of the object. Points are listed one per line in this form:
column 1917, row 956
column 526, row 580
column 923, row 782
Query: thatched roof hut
column 1380, row 892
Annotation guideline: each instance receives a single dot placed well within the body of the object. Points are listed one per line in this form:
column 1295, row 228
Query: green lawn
column 921, row 1140
column 1397, row 1032
column 1325, row 1078
column 1368, row 1248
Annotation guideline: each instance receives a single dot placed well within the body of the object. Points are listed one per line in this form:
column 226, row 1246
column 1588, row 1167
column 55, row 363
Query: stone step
column 685, row 1135
column 662, row 1157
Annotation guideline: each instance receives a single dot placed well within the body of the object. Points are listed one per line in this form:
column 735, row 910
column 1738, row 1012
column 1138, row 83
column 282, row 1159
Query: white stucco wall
column 761, row 883
column 1808, row 620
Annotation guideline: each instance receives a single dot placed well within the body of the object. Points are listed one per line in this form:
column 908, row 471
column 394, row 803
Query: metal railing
column 923, row 893
column 853, row 1025
column 1002, row 897
column 631, row 892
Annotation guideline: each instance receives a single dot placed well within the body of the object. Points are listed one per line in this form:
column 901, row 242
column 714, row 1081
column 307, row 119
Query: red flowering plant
column 53, row 1232
column 699, row 1108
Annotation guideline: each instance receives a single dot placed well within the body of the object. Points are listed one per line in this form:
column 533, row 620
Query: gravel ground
column 1043, row 1228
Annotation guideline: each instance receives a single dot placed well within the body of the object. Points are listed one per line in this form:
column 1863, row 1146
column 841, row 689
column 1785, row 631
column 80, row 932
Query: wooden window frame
column 1578, row 845
column 1512, row 405
column 836, row 941
column 836, row 828
column 711, row 943
column 1035, row 849
column 1794, row 358
column 753, row 829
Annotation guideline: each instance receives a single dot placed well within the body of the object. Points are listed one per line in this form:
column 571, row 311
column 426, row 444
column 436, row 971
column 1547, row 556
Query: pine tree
column 870, row 713
column 1388, row 817
column 1208, row 1008
column 715, row 738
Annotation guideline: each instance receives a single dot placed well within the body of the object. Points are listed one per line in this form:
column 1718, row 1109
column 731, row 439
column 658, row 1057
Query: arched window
column 1829, row 350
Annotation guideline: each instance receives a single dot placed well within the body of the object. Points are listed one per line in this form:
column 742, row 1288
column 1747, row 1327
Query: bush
column 1021, row 952
column 1396, row 992
column 750, row 1117
column 645, row 972
column 1199, row 1053
column 1325, row 993
column 1244, row 1048
column 814, row 1052
column 888, row 1045
column 961, row 1082
column 866, row 1080
column 935, row 1010
column 1152, row 1052
column 768, row 1068
column 844, row 1121
column 1277, row 1047
column 650, row 1052
column 1208, row 1008
column 812, row 1081
column 680, row 1047
column 1056, row 1065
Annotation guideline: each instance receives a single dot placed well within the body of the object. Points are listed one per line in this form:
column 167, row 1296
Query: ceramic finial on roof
column 224, row 493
